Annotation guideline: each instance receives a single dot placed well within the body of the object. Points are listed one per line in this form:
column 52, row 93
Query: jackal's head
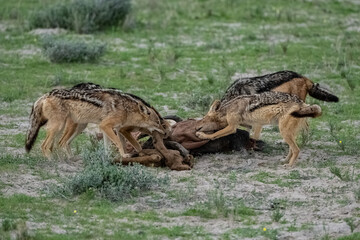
column 213, row 120
column 154, row 121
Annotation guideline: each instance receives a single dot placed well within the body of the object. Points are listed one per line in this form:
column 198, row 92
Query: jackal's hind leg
column 256, row 131
column 288, row 132
column 53, row 129
column 288, row 157
column 71, row 130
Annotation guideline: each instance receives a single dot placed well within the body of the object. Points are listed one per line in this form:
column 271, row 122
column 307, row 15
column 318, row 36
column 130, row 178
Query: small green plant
column 62, row 51
column 305, row 137
column 334, row 129
column 113, row 182
column 210, row 78
column 82, row 16
column 22, row 232
column 284, row 46
column 325, row 237
column 344, row 176
column 357, row 194
column 8, row 225
column 292, row 227
column 351, row 223
column 354, row 236
column 277, row 215
column 219, row 205
column 228, row 68
column 217, row 202
column 294, row 175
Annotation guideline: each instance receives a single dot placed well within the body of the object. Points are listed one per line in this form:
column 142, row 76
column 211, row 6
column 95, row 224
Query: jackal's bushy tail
column 36, row 121
column 322, row 94
column 308, row 111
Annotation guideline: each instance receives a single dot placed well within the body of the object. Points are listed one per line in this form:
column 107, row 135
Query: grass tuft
column 344, row 176
column 217, row 205
column 277, row 215
column 8, row 225
column 351, row 223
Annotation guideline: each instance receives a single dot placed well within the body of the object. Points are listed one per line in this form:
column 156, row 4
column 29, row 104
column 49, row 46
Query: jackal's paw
column 127, row 155
column 201, row 135
column 284, row 160
column 74, row 158
column 288, row 166
column 180, row 167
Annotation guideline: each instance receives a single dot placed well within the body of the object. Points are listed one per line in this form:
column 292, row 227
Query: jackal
column 283, row 81
column 282, row 109
column 87, row 103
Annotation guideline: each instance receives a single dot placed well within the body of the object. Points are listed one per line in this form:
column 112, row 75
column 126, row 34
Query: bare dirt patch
column 315, row 201
column 34, row 181
column 48, row 31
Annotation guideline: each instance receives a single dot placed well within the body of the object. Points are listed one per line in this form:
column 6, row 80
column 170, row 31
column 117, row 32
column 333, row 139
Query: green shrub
column 60, row 51
column 113, row 182
column 8, row 225
column 82, row 16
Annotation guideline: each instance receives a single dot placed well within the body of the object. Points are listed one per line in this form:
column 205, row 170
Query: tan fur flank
column 119, row 112
column 283, row 81
column 258, row 110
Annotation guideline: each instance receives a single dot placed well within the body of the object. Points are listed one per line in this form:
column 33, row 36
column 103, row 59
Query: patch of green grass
column 344, row 176
column 8, row 225
column 11, row 162
column 351, row 223
column 268, row 178
column 250, row 233
column 292, row 227
column 111, row 181
column 357, row 194
column 217, row 205
column 353, row 236
column 87, row 215
column 143, row 231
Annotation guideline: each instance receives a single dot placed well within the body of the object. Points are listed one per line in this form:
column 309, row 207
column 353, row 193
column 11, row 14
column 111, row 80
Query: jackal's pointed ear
column 144, row 109
column 215, row 106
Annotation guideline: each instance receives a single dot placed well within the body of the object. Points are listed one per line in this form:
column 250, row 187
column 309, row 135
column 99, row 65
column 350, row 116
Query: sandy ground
column 318, row 200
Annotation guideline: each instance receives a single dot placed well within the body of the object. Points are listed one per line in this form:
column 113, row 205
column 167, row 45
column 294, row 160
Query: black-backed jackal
column 283, row 81
column 71, row 110
column 287, row 111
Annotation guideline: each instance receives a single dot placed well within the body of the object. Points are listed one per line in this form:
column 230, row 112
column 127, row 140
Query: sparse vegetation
column 277, row 215
column 180, row 56
column 8, row 225
column 351, row 223
column 82, row 16
column 217, row 205
column 113, row 182
column 66, row 51
column 344, row 176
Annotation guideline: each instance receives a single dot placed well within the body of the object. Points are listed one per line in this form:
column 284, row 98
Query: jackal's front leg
column 132, row 140
column 107, row 128
column 230, row 129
